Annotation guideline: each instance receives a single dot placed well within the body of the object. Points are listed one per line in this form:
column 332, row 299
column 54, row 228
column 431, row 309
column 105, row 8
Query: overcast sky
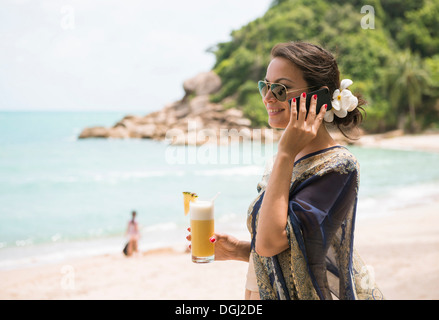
column 110, row 55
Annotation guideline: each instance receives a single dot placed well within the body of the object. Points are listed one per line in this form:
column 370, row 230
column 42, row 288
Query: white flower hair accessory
column 343, row 101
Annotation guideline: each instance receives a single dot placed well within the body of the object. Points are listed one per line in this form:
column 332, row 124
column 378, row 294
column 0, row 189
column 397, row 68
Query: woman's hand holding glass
column 228, row 247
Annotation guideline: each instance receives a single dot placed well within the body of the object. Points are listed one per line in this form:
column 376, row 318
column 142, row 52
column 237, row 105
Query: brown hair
column 319, row 69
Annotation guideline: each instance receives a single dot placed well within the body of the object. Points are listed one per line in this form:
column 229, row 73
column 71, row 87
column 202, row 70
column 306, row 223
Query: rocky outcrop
column 192, row 120
column 204, row 83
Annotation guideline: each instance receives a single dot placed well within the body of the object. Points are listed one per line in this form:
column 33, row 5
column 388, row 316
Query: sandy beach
column 402, row 248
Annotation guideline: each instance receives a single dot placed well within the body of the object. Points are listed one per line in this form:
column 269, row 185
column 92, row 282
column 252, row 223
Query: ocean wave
column 34, row 255
column 112, row 177
column 117, row 176
column 398, row 198
column 233, row 171
column 129, row 175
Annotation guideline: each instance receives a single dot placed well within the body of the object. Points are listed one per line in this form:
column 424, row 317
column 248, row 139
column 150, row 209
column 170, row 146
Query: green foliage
column 432, row 64
column 367, row 56
column 255, row 110
column 420, row 30
column 379, row 117
column 406, row 80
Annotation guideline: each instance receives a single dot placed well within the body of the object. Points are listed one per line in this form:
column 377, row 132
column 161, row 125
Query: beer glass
column 202, row 228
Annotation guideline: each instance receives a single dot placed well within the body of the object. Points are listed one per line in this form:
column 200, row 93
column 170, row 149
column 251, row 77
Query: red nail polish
column 326, row 106
column 294, row 100
column 315, row 97
column 212, row 239
column 188, row 229
column 304, row 94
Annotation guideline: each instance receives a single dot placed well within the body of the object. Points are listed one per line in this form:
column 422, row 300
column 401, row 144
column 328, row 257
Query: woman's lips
column 274, row 111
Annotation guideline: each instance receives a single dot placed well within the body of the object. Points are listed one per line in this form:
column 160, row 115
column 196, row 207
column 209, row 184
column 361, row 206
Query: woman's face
column 281, row 70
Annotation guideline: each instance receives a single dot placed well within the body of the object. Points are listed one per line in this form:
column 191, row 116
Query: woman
column 302, row 220
column 133, row 235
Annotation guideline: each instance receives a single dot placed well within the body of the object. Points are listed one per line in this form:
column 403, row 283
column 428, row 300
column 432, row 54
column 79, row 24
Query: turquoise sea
column 61, row 197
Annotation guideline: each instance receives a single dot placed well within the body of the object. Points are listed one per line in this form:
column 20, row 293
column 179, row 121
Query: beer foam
column 201, row 210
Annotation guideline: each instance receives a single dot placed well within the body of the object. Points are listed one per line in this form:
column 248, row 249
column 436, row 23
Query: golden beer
column 202, row 228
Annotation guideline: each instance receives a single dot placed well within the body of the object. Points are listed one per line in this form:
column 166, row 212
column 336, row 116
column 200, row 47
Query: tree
column 406, row 80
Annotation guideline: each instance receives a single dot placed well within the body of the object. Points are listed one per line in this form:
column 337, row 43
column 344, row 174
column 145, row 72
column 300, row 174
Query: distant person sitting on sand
column 133, row 234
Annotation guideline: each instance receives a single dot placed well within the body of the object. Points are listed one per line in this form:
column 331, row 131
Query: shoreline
column 396, row 140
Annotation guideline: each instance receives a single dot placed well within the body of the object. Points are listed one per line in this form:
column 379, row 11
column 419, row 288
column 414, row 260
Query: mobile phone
column 323, row 97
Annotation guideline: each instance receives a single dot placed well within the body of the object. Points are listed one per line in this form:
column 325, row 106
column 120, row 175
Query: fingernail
column 188, row 229
column 304, row 94
column 294, row 100
column 315, row 97
column 187, row 237
column 326, row 106
column 212, row 239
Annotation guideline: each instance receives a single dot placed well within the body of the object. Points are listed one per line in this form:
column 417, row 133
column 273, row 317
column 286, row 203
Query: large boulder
column 94, row 132
column 204, row 83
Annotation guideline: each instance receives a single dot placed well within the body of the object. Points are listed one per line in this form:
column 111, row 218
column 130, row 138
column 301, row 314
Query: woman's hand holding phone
column 323, row 97
column 303, row 125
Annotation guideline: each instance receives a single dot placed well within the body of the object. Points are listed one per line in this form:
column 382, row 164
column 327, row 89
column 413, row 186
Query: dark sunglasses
column 279, row 91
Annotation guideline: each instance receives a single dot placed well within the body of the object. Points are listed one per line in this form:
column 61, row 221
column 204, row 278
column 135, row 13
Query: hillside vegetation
column 394, row 65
